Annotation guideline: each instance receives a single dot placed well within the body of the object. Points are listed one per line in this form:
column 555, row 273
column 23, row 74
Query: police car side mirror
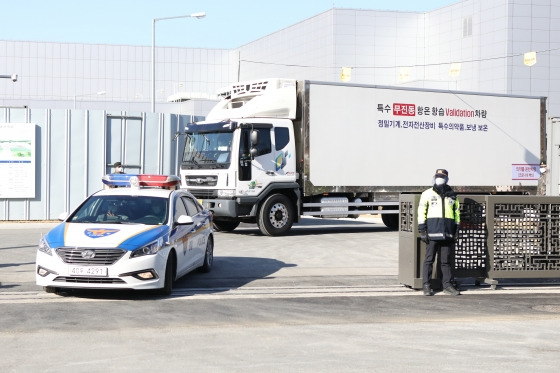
column 63, row 216
column 184, row 220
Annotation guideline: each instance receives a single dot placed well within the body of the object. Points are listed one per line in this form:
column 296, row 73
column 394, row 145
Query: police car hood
column 124, row 236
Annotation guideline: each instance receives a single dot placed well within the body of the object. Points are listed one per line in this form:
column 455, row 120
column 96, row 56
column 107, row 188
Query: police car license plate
column 88, row 271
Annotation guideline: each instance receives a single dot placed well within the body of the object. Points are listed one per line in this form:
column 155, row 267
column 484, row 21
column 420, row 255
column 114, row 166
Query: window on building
column 467, row 26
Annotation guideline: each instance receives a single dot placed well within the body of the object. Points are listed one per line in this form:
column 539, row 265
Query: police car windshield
column 207, row 150
column 122, row 209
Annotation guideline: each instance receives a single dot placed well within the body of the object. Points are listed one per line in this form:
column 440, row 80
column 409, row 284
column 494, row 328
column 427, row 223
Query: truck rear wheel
column 276, row 215
column 225, row 225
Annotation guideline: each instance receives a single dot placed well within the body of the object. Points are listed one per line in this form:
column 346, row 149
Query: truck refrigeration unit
column 274, row 150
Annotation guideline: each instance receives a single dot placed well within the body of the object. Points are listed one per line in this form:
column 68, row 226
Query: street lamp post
column 193, row 15
column 13, row 77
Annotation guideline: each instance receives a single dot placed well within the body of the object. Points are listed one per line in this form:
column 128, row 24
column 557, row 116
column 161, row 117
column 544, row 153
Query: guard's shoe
column 456, row 285
column 427, row 290
column 451, row 290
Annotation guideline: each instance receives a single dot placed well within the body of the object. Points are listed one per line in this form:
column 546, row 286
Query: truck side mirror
column 254, row 138
column 254, row 141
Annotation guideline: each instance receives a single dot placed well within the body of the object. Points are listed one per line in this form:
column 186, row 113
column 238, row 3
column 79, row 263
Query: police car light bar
column 141, row 180
column 117, row 180
column 161, row 181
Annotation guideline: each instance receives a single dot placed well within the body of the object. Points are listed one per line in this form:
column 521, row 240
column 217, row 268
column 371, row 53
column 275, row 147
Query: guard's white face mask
column 440, row 181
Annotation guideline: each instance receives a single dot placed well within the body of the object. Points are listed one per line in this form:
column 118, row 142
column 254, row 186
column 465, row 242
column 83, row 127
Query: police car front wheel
column 169, row 275
column 208, row 256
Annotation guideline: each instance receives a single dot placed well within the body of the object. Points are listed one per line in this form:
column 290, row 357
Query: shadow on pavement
column 227, row 273
column 317, row 226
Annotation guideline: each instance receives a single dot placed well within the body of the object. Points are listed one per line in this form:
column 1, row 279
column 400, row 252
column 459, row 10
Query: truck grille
column 204, row 193
column 89, row 256
column 201, row 180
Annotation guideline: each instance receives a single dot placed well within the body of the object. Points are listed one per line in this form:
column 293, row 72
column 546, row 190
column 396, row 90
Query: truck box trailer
column 274, row 150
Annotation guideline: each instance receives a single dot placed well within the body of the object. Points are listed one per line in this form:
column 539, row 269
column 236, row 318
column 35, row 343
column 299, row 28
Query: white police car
column 140, row 232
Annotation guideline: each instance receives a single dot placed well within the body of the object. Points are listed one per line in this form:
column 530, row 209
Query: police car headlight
column 44, row 246
column 149, row 249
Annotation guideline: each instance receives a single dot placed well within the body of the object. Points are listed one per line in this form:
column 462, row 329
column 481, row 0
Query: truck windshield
column 207, row 150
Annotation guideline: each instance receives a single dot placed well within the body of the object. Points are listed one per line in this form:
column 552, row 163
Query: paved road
column 324, row 299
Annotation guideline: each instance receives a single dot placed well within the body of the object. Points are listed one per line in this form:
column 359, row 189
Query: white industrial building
column 473, row 45
column 85, row 106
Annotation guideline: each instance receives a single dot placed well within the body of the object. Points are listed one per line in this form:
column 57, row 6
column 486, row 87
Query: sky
column 228, row 23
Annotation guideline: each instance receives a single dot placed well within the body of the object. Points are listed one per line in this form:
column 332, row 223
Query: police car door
column 200, row 231
column 182, row 239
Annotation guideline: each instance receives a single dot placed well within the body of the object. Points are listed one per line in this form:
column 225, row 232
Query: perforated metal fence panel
column 524, row 237
column 471, row 249
column 411, row 249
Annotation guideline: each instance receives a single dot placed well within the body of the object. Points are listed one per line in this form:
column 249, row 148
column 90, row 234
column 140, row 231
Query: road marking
column 343, row 291
column 270, row 293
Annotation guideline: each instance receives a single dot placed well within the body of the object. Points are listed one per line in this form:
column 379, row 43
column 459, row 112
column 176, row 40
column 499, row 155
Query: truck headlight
column 225, row 193
column 44, row 246
column 149, row 249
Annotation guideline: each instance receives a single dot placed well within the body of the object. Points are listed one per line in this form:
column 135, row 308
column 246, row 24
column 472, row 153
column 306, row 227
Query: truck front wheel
column 276, row 215
column 225, row 225
column 391, row 221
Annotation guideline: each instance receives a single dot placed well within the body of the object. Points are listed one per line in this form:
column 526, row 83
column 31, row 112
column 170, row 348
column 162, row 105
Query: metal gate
column 500, row 237
column 125, row 135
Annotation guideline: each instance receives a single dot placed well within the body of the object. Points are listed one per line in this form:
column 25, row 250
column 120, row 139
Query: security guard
column 119, row 168
column 438, row 225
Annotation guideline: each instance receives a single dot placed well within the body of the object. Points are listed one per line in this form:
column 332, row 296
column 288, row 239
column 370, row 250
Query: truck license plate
column 88, row 271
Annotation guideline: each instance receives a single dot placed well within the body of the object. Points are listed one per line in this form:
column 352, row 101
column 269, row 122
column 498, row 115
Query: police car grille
column 83, row 256
column 89, row 280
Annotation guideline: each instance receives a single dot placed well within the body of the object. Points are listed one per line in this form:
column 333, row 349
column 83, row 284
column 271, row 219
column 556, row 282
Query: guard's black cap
column 440, row 172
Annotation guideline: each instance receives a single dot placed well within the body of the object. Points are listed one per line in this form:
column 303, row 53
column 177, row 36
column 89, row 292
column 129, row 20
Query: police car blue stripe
column 55, row 237
column 144, row 238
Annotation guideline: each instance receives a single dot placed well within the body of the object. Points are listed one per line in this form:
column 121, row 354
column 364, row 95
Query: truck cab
column 243, row 154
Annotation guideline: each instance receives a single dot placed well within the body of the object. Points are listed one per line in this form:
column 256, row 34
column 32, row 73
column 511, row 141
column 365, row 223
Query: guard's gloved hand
column 456, row 236
column 424, row 237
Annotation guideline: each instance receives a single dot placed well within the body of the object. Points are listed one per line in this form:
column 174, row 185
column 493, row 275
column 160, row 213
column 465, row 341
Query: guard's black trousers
column 445, row 250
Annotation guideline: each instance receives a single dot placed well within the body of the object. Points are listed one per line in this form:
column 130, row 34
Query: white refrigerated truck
column 274, row 150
